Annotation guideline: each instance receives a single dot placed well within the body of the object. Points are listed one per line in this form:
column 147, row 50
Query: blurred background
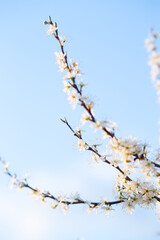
column 107, row 39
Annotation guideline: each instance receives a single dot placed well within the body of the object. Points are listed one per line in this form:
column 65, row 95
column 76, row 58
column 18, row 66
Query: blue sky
column 107, row 39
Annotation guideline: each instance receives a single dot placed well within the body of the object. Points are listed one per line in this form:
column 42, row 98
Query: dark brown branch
column 45, row 195
column 79, row 91
column 89, row 148
column 156, row 164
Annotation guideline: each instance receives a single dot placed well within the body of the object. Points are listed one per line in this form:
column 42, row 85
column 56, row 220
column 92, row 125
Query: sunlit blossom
column 73, row 99
column 51, row 29
column 81, row 145
column 61, row 60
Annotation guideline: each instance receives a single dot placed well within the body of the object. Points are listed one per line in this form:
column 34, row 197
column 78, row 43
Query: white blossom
column 129, row 206
column 37, row 194
column 61, row 61
column 73, row 71
column 5, row 165
column 154, row 61
column 73, row 99
column 81, row 145
column 85, row 117
column 67, row 87
column 126, row 149
column 114, row 162
column 95, row 158
column 13, row 181
column 149, row 43
column 52, row 28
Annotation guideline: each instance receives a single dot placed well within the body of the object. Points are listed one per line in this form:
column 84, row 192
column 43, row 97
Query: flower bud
column 45, row 22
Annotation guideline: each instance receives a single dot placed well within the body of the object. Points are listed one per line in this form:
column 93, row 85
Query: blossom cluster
column 74, row 87
column 136, row 193
column 132, row 157
column 138, row 180
column 125, row 151
column 154, row 60
column 126, row 155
